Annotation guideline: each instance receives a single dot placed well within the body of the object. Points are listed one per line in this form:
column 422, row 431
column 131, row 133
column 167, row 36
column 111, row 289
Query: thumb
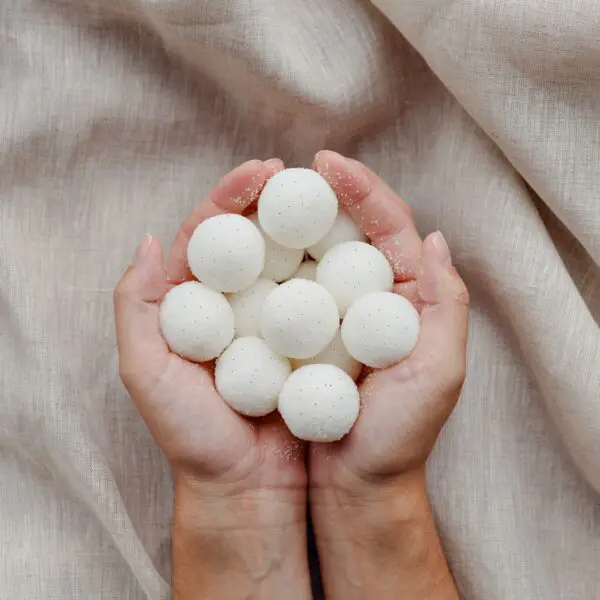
column 143, row 354
column 442, row 345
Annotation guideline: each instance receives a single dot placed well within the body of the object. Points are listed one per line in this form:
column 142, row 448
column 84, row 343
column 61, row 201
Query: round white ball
column 227, row 253
column 247, row 306
column 280, row 262
column 344, row 230
column 381, row 329
column 249, row 376
column 196, row 322
column 307, row 270
column 299, row 318
column 319, row 403
column 297, row 208
column 335, row 354
column 353, row 269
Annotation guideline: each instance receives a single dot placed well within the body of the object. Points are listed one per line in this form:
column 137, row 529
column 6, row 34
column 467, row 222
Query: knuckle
column 125, row 288
column 127, row 372
column 445, row 376
column 461, row 292
column 452, row 377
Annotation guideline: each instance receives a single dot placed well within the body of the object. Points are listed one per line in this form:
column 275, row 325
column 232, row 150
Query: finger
column 233, row 194
column 442, row 344
column 274, row 165
column 383, row 216
column 136, row 303
column 410, row 290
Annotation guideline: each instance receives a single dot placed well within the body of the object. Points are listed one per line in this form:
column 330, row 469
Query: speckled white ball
column 249, row 376
column 344, row 230
column 353, row 269
column 195, row 321
column 299, row 319
column 247, row 306
column 307, row 270
column 381, row 329
column 280, row 262
column 227, row 253
column 297, row 208
column 319, row 403
column 335, row 354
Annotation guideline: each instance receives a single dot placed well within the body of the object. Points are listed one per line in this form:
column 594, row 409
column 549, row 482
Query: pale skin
column 242, row 485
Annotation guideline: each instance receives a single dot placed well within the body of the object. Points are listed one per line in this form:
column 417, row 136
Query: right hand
column 404, row 406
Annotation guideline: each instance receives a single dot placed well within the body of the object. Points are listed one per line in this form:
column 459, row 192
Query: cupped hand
column 405, row 406
column 202, row 437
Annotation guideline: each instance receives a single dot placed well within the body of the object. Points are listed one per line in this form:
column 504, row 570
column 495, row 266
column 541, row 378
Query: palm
column 401, row 416
column 201, row 431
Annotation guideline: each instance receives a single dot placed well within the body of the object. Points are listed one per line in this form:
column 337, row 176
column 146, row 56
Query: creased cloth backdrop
column 116, row 116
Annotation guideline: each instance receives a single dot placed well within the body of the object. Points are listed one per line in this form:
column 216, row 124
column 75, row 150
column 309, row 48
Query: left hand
column 205, row 441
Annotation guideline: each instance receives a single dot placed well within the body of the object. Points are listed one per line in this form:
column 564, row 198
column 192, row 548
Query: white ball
column 299, row 318
column 353, row 269
column 227, row 253
column 381, row 329
column 247, row 306
column 319, row 403
column 196, row 322
column 335, row 354
column 307, row 270
column 249, row 376
column 297, row 208
column 280, row 262
column 344, row 230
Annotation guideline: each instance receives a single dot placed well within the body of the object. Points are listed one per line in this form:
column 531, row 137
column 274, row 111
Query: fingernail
column 440, row 247
column 273, row 162
column 142, row 250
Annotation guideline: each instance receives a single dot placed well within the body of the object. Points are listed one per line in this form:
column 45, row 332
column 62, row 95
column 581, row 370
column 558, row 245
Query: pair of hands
column 220, row 457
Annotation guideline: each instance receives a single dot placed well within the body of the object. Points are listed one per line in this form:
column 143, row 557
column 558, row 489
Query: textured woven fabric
column 116, row 116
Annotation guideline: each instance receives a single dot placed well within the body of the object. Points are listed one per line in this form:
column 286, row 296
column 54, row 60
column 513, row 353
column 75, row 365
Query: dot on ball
column 196, row 322
column 344, row 230
column 335, row 354
column 247, row 305
column 227, row 253
column 249, row 376
column 297, row 207
column 299, row 318
column 319, row 403
column 280, row 262
column 381, row 329
column 307, row 270
column 353, row 269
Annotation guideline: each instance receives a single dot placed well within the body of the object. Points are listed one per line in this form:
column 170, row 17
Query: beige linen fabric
column 116, row 116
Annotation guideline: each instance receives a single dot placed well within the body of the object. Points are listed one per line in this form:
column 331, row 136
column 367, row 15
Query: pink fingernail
column 142, row 250
column 440, row 247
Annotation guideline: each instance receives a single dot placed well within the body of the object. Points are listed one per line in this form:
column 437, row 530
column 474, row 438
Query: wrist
column 379, row 540
column 229, row 543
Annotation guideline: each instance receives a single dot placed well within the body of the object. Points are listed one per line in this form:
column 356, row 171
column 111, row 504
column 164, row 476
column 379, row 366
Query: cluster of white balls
column 293, row 302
